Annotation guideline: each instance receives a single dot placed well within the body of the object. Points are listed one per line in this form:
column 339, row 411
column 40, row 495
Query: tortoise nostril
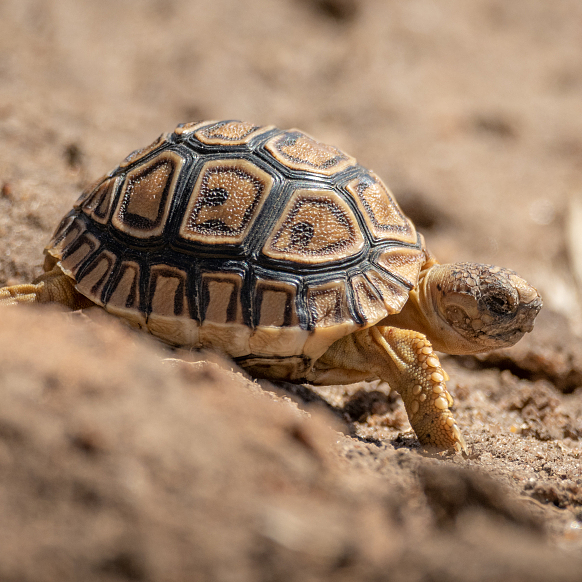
column 527, row 293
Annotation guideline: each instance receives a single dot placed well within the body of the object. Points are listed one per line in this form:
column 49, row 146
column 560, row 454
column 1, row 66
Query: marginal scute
column 275, row 303
column 167, row 291
column 143, row 206
column 230, row 133
column 88, row 191
column 143, row 152
column 168, row 311
column 67, row 231
column 95, row 275
column 317, row 226
column 403, row 263
column 124, row 295
column 368, row 302
column 191, row 127
column 225, row 201
column 98, row 204
column 299, row 151
column 329, row 315
column 277, row 332
column 222, row 326
column 381, row 212
column 78, row 252
column 327, row 304
column 393, row 294
column 220, row 297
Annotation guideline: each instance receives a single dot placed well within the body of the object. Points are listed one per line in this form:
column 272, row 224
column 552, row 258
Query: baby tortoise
column 288, row 256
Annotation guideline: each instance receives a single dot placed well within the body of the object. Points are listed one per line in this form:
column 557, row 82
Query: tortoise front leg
column 51, row 287
column 406, row 361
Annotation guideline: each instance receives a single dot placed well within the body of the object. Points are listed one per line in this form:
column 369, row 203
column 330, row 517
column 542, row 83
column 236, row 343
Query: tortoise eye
column 499, row 303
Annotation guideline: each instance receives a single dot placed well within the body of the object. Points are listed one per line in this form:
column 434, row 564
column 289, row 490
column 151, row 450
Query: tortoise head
column 473, row 308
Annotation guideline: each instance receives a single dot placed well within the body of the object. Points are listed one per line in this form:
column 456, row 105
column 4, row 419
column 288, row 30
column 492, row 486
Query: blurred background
column 470, row 111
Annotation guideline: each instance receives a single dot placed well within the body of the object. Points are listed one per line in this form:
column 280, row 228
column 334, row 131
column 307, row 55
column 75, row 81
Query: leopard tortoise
column 288, row 256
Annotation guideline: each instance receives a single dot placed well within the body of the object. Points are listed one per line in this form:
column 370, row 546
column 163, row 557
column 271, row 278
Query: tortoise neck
column 419, row 313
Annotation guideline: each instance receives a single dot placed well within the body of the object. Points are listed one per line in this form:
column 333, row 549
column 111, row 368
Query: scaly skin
column 406, row 361
column 51, row 287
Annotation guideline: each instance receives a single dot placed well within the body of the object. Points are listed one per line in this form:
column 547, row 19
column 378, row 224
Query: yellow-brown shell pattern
column 224, row 202
column 316, row 227
column 244, row 238
column 299, row 151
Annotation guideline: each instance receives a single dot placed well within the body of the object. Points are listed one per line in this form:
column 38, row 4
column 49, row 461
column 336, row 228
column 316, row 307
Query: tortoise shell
column 261, row 243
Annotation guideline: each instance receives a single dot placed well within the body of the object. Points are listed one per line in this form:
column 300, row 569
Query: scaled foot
column 422, row 386
column 406, row 361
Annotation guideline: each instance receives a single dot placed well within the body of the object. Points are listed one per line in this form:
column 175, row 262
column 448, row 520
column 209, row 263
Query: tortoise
column 286, row 255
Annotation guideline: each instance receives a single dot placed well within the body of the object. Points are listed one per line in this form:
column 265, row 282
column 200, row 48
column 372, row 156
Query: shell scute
column 97, row 205
column 88, row 191
column 393, row 293
column 384, row 218
column 317, row 226
column 226, row 199
column 167, row 291
column 275, row 303
column 223, row 327
column 95, row 276
column 229, row 133
column 143, row 206
column 184, row 129
column 327, row 304
column 169, row 315
column 330, row 316
column 125, row 289
column 78, row 252
column 367, row 300
column 221, row 297
column 139, row 154
column 403, row 263
column 298, row 151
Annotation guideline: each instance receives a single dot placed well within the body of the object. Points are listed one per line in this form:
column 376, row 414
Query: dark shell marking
column 244, row 238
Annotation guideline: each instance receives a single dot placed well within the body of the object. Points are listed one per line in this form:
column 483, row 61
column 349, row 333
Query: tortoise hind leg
column 51, row 287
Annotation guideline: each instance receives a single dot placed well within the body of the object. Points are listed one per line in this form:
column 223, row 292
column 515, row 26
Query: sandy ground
column 117, row 464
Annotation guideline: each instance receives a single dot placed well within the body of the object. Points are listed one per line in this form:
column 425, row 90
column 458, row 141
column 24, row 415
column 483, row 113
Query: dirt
column 123, row 460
